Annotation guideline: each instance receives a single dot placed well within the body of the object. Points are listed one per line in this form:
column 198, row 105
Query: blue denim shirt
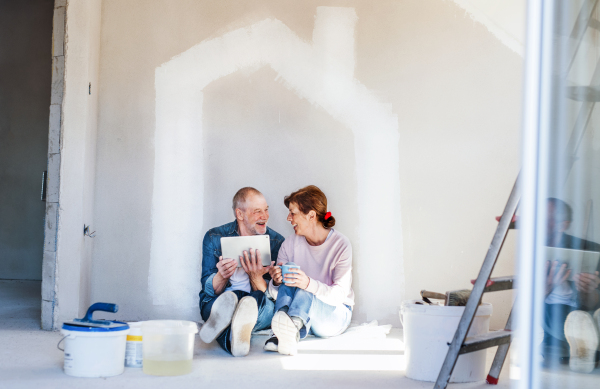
column 211, row 251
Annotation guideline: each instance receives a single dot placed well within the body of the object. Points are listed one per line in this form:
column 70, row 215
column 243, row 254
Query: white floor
column 29, row 359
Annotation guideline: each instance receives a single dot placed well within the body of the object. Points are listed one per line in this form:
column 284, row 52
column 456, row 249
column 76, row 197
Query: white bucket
column 427, row 331
column 94, row 354
column 168, row 346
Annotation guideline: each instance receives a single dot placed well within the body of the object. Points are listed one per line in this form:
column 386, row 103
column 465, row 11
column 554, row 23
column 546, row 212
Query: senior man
column 570, row 323
column 233, row 300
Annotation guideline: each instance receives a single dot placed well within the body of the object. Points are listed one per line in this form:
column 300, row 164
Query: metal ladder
column 589, row 95
column 483, row 284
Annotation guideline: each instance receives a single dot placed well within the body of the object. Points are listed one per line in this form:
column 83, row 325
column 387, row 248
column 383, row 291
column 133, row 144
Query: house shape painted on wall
column 321, row 72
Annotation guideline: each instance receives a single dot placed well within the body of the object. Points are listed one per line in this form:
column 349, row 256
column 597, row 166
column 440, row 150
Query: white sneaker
column 582, row 335
column 271, row 344
column 220, row 317
column 242, row 323
column 286, row 332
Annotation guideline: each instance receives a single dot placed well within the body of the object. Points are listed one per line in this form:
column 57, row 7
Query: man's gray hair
column 239, row 200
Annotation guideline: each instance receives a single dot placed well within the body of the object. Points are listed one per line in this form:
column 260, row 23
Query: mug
column 285, row 269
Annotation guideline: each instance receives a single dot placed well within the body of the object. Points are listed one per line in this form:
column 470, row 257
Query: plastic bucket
column 427, row 331
column 168, row 346
column 94, row 354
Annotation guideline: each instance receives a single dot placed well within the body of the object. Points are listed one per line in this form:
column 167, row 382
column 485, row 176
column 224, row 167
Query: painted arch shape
column 321, row 71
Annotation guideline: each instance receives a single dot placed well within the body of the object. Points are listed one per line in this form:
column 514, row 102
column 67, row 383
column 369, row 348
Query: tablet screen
column 578, row 261
column 234, row 247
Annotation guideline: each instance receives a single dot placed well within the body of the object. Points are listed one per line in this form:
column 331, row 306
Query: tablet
column 578, row 261
column 234, row 247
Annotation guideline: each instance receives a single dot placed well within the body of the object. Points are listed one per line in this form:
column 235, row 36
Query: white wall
column 505, row 19
column 78, row 157
column 453, row 86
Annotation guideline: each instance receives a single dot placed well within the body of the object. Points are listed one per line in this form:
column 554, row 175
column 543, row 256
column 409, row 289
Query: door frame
column 52, row 216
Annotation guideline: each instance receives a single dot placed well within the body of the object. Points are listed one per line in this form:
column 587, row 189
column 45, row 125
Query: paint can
column 133, row 347
column 428, row 329
column 94, row 348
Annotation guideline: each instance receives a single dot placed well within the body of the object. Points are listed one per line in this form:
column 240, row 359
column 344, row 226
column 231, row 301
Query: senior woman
column 318, row 297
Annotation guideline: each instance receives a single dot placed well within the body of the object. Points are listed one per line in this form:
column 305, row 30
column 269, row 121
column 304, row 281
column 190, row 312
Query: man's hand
column 586, row 282
column 226, row 267
column 252, row 265
column 298, row 279
column 275, row 272
column 556, row 275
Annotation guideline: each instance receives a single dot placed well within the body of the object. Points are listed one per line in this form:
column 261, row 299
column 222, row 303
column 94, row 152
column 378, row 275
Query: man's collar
column 234, row 228
column 560, row 240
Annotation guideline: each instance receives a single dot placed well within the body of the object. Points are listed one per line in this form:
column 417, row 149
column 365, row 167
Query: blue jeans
column 555, row 316
column 320, row 319
column 555, row 343
column 265, row 314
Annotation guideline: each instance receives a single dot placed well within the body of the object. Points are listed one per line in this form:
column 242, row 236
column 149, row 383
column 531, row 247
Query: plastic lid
column 81, row 327
column 169, row 327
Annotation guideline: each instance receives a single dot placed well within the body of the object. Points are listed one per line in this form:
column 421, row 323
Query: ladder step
column 480, row 342
column 498, row 283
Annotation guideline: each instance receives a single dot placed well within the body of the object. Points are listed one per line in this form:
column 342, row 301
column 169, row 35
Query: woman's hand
column 298, row 279
column 275, row 273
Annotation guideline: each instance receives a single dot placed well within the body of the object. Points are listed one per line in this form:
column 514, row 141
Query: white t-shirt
column 562, row 294
column 240, row 281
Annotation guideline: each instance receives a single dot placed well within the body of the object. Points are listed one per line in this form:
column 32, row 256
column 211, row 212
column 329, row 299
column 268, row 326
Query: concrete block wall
column 53, row 179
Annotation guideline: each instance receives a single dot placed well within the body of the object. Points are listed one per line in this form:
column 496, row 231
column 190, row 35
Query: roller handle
column 106, row 307
column 433, row 295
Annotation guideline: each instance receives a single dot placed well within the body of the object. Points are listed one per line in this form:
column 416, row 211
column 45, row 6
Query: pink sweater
column 329, row 267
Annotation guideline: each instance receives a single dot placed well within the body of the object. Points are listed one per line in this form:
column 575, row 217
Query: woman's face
column 300, row 222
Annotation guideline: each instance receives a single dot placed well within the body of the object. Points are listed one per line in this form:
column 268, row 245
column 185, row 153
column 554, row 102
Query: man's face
column 255, row 216
column 555, row 223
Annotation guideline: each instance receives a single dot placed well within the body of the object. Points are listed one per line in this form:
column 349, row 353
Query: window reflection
column 569, row 245
column 571, row 316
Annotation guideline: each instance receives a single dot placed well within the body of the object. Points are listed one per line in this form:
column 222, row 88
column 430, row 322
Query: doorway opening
column 25, row 98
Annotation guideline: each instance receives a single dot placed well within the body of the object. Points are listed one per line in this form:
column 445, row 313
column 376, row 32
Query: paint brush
column 453, row 298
